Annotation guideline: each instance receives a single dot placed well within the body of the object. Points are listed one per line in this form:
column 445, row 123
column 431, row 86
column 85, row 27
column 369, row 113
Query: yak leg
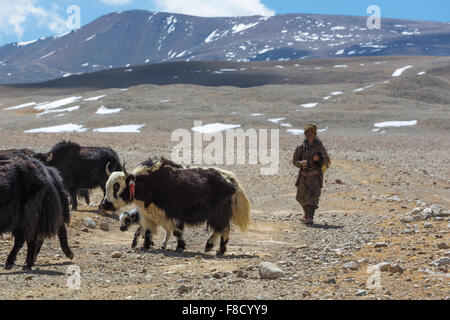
column 73, row 198
column 211, row 241
column 85, row 194
column 166, row 239
column 148, row 239
column 31, row 253
column 38, row 248
column 137, row 233
column 224, row 241
column 178, row 233
column 19, row 240
column 62, row 235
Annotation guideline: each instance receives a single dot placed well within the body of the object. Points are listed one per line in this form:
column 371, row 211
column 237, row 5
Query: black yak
column 33, row 206
column 6, row 154
column 172, row 196
column 81, row 167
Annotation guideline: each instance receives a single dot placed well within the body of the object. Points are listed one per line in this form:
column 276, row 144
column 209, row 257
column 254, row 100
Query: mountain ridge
column 139, row 37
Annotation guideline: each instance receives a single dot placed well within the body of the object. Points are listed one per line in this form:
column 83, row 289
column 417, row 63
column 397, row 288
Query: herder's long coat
column 309, row 181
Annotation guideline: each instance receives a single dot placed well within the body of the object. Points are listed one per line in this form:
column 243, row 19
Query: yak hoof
column 69, row 255
column 220, row 253
column 179, row 249
column 208, row 247
column 26, row 268
column 9, row 266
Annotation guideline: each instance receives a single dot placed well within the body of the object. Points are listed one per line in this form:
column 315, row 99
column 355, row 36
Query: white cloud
column 14, row 16
column 214, row 8
column 116, row 2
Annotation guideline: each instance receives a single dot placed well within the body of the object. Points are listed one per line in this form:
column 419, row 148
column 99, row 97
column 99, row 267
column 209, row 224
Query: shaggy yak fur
column 172, row 196
column 81, row 167
column 33, row 206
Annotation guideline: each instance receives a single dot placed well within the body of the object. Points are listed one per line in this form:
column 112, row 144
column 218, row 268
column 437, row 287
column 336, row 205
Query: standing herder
column 312, row 159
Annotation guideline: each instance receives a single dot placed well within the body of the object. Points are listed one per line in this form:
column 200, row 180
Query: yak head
column 129, row 218
column 119, row 189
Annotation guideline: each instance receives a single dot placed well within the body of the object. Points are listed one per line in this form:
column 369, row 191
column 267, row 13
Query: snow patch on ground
column 363, row 88
column 70, row 109
column 242, row 27
column 68, row 127
column 25, row 105
column 395, row 124
column 58, row 103
column 104, row 110
column 130, row 128
column 309, row 105
column 95, row 98
column 276, row 120
column 215, row 127
column 399, row 72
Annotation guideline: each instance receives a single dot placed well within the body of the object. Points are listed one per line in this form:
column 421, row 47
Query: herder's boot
column 305, row 213
column 310, row 215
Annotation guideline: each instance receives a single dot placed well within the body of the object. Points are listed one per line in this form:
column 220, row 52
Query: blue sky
column 25, row 20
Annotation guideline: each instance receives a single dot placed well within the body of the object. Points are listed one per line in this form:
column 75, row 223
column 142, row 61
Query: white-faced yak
column 173, row 196
column 82, row 168
column 33, row 206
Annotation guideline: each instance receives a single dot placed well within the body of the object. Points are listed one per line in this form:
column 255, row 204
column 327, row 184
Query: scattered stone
column 104, row 226
column 381, row 245
column 407, row 219
column 441, row 261
column 184, row 288
column 443, row 245
column 217, row 275
column 28, row 277
column 116, row 255
column 85, row 229
column 384, row 266
column 361, row 293
column 416, row 210
column 330, row 281
column 395, row 268
column 428, row 225
column 88, row 222
column 241, row 274
column 338, row 181
column 268, row 270
column 365, row 260
column 352, row 265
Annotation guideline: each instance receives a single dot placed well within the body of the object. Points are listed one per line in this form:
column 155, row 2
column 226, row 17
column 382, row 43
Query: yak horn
column 124, row 169
column 107, row 169
column 50, row 157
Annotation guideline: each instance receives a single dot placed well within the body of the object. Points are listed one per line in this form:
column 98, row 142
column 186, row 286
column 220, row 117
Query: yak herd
column 35, row 189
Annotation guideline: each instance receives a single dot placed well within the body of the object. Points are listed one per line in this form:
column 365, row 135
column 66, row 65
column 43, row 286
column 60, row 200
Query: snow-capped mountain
column 139, row 37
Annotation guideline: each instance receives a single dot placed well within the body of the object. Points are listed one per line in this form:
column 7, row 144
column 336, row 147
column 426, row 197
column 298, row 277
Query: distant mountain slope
column 140, row 37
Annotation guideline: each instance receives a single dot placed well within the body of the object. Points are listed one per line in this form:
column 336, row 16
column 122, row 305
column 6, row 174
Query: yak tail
column 241, row 208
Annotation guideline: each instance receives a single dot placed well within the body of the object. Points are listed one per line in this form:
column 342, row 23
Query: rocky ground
column 381, row 232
